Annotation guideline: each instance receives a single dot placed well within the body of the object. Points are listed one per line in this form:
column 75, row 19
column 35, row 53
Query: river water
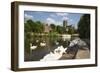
column 51, row 43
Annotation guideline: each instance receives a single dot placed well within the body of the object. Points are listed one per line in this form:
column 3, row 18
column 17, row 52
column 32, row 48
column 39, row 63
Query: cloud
column 65, row 18
column 62, row 14
column 27, row 16
column 50, row 20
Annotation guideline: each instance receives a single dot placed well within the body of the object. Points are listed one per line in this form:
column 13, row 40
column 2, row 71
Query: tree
column 31, row 26
column 28, row 26
column 84, row 26
column 39, row 27
column 71, row 30
column 53, row 27
column 60, row 29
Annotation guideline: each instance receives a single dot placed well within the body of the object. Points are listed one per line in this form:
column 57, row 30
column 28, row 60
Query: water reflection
column 44, row 45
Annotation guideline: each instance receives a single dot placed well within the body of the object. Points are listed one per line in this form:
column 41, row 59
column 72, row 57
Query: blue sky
column 53, row 17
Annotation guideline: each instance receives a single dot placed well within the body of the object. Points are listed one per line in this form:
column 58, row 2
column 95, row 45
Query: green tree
column 28, row 26
column 31, row 26
column 39, row 27
column 53, row 27
column 60, row 29
column 84, row 26
column 71, row 30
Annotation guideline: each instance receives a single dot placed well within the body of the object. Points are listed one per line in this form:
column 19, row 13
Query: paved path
column 81, row 54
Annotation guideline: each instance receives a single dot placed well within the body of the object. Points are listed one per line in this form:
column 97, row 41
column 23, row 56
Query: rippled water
column 51, row 44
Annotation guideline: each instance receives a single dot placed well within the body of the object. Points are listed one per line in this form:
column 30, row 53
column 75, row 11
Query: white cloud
column 27, row 16
column 62, row 14
column 65, row 18
column 50, row 20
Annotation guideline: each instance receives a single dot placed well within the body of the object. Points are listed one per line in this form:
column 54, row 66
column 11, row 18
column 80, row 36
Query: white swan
column 77, row 41
column 58, row 52
column 32, row 47
column 57, row 43
column 37, row 41
column 42, row 44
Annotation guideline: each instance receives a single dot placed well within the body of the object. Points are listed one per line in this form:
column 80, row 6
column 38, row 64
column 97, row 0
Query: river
column 51, row 42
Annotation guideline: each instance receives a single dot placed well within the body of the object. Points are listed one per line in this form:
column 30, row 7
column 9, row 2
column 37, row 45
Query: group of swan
column 77, row 41
column 57, row 54
column 42, row 44
column 33, row 47
column 59, row 51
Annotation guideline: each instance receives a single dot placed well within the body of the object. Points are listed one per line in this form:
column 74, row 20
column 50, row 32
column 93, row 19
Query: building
column 47, row 28
column 65, row 23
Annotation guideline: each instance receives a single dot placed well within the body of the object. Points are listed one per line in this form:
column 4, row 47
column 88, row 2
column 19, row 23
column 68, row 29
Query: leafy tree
column 71, row 30
column 39, row 27
column 28, row 26
column 59, row 29
column 53, row 27
column 84, row 26
column 31, row 27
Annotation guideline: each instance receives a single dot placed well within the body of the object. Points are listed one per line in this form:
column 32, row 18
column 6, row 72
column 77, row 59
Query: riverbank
column 52, row 33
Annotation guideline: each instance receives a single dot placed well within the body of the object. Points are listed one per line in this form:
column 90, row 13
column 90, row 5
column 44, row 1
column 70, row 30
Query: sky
column 53, row 17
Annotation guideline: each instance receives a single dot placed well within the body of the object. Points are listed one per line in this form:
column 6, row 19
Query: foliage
column 84, row 26
column 60, row 29
column 53, row 27
column 71, row 30
column 27, row 41
column 31, row 26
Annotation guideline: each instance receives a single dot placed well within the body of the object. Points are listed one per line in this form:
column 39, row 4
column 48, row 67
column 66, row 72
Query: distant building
column 66, row 26
column 47, row 28
column 65, row 23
